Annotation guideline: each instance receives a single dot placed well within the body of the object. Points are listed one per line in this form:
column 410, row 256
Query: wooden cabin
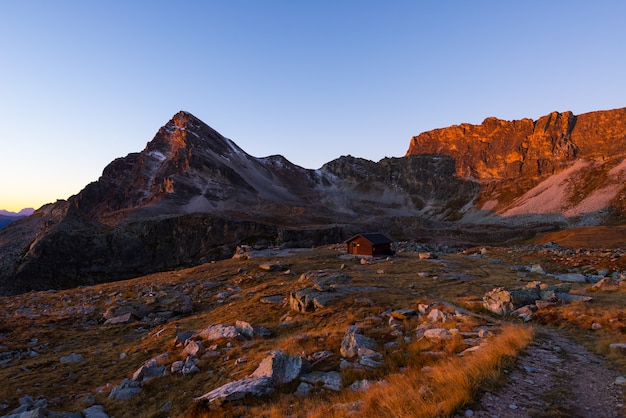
column 369, row 244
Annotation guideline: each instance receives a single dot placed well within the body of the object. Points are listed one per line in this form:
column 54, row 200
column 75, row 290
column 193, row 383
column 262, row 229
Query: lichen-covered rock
column 499, row 301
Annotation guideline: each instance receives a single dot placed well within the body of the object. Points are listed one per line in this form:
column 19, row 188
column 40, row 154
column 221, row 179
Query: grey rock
column 72, row 358
column 303, row 389
column 437, row 334
column 125, row 391
column 239, row 389
column 272, row 299
column 328, row 380
column 250, row 331
column 572, row 277
column 353, row 340
column 219, row 331
column 280, row 368
column 151, row 369
column 360, row 385
column 96, row 411
column 308, row 300
column 122, row 319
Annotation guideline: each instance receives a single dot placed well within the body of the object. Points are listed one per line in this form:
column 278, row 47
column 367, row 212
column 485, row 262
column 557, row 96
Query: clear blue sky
column 85, row 82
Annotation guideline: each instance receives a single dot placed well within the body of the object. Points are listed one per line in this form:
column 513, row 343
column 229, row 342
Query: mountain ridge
column 191, row 196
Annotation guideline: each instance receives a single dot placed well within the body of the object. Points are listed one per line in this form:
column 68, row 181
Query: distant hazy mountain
column 7, row 217
column 23, row 212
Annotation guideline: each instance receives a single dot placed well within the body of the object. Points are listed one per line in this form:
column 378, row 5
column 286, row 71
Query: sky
column 85, row 82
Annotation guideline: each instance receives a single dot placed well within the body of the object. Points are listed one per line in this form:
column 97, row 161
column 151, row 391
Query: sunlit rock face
column 499, row 149
column 561, row 167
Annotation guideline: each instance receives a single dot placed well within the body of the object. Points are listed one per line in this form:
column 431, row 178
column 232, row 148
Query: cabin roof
column 373, row 237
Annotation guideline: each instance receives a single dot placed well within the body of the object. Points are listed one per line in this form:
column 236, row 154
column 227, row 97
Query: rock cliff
column 562, row 167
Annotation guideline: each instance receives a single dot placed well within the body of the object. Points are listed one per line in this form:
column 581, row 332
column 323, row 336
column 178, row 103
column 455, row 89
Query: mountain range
column 192, row 196
column 6, row 217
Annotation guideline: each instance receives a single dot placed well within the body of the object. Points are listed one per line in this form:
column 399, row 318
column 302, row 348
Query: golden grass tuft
column 446, row 386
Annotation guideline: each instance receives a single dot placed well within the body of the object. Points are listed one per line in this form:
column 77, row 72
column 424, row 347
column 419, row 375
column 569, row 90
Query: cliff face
column 498, row 149
column 560, row 168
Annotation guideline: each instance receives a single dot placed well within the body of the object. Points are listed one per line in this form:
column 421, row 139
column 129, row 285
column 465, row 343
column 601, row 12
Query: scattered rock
column 193, row 348
column 353, row 341
column 95, row 411
column 219, row 331
column 122, row 319
column 249, row 331
column 437, row 334
column 151, row 369
column 274, row 266
column 404, row 313
column 324, row 361
column 280, row 368
column 303, row 389
column 498, row 301
column 328, row 380
column 249, row 386
column 125, row 391
column 606, row 285
column 273, row 299
column 72, row 358
column 572, row 277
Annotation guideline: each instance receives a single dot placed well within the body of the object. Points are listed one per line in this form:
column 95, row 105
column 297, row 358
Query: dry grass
column 445, row 387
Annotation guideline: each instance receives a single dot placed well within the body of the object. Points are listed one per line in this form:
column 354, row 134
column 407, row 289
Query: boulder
column 324, row 361
column 280, row 368
column 272, row 299
column 274, row 266
column 328, row 380
column 193, row 348
column 436, row 315
column 403, row 314
column 125, row 391
column 122, row 319
column 95, row 411
column 498, row 301
column 219, row 331
column 151, row 369
column 572, row 277
column 136, row 309
column 438, row 334
column 72, row 358
column 606, row 285
column 239, row 389
column 250, row 331
column 308, row 300
column 353, row 341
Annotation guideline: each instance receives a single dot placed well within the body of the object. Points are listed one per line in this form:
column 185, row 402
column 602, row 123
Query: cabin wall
column 360, row 246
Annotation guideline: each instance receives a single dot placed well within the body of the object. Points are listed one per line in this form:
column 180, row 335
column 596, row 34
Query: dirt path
column 555, row 377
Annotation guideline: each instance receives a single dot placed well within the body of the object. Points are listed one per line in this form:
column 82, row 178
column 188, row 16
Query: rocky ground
column 294, row 333
column 554, row 377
